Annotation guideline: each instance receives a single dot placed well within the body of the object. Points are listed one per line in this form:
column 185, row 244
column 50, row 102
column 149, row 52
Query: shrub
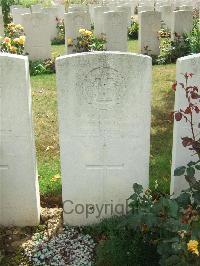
column 118, row 246
column 183, row 45
column 133, row 30
column 86, row 42
column 28, row 3
column 193, row 38
column 14, row 39
column 172, row 225
column 40, row 67
column 170, row 50
column 60, row 39
column 158, row 229
column 6, row 9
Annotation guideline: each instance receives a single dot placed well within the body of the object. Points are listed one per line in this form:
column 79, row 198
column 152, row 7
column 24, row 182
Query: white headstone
column 104, row 130
column 36, row 8
column 98, row 20
column 150, row 24
column 166, row 15
column 115, row 29
column 74, row 21
column 127, row 10
column 78, row 8
column 145, row 8
column 19, row 192
column 53, row 13
column 178, row 26
column 1, row 26
column 182, row 156
column 36, row 28
column 17, row 14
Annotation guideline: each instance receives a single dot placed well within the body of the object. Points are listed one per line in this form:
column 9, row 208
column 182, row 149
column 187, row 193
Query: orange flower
column 6, row 39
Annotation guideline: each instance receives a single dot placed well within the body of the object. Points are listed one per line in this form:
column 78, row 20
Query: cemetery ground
column 47, row 145
column 46, row 128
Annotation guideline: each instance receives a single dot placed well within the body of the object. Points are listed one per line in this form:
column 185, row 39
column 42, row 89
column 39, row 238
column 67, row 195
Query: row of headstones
column 104, row 137
column 150, row 23
column 40, row 26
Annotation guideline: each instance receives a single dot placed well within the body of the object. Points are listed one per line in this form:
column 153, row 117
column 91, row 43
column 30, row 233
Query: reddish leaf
column 187, row 141
column 196, row 108
column 174, row 86
column 194, row 95
column 188, row 111
column 178, row 116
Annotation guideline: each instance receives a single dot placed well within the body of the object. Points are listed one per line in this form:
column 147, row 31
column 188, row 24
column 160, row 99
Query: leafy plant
column 86, row 42
column 193, row 38
column 171, row 225
column 119, row 246
column 14, row 39
column 133, row 30
column 40, row 67
column 171, row 50
column 28, row 3
column 60, row 39
column 6, row 9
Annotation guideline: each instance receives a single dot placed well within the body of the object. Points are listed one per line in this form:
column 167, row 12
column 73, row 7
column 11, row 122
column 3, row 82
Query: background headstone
column 36, row 28
column 115, row 30
column 182, row 22
column 17, row 13
column 19, row 190
column 74, row 21
column 149, row 25
column 98, row 20
column 36, row 8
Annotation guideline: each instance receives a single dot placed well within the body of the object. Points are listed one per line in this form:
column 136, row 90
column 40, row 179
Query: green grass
column 46, row 126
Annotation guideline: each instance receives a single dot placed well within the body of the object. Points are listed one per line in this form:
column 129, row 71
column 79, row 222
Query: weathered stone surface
column 178, row 26
column 106, row 129
column 19, row 192
column 150, row 24
column 115, row 30
column 36, row 28
column 98, row 20
column 17, row 13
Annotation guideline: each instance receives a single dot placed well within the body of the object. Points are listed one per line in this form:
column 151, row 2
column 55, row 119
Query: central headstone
column 104, row 114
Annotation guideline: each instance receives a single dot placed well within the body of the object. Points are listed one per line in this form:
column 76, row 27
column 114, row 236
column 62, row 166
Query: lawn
column 46, row 126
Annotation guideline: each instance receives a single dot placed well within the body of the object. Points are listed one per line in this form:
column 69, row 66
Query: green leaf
column 190, row 171
column 137, row 188
column 179, row 171
column 197, row 167
column 184, row 199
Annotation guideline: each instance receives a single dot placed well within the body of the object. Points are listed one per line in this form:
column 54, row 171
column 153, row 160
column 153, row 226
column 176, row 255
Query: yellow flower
column 192, row 246
column 13, row 49
column 22, row 40
column 55, row 178
column 69, row 41
column 82, row 31
column 87, row 32
column 18, row 27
